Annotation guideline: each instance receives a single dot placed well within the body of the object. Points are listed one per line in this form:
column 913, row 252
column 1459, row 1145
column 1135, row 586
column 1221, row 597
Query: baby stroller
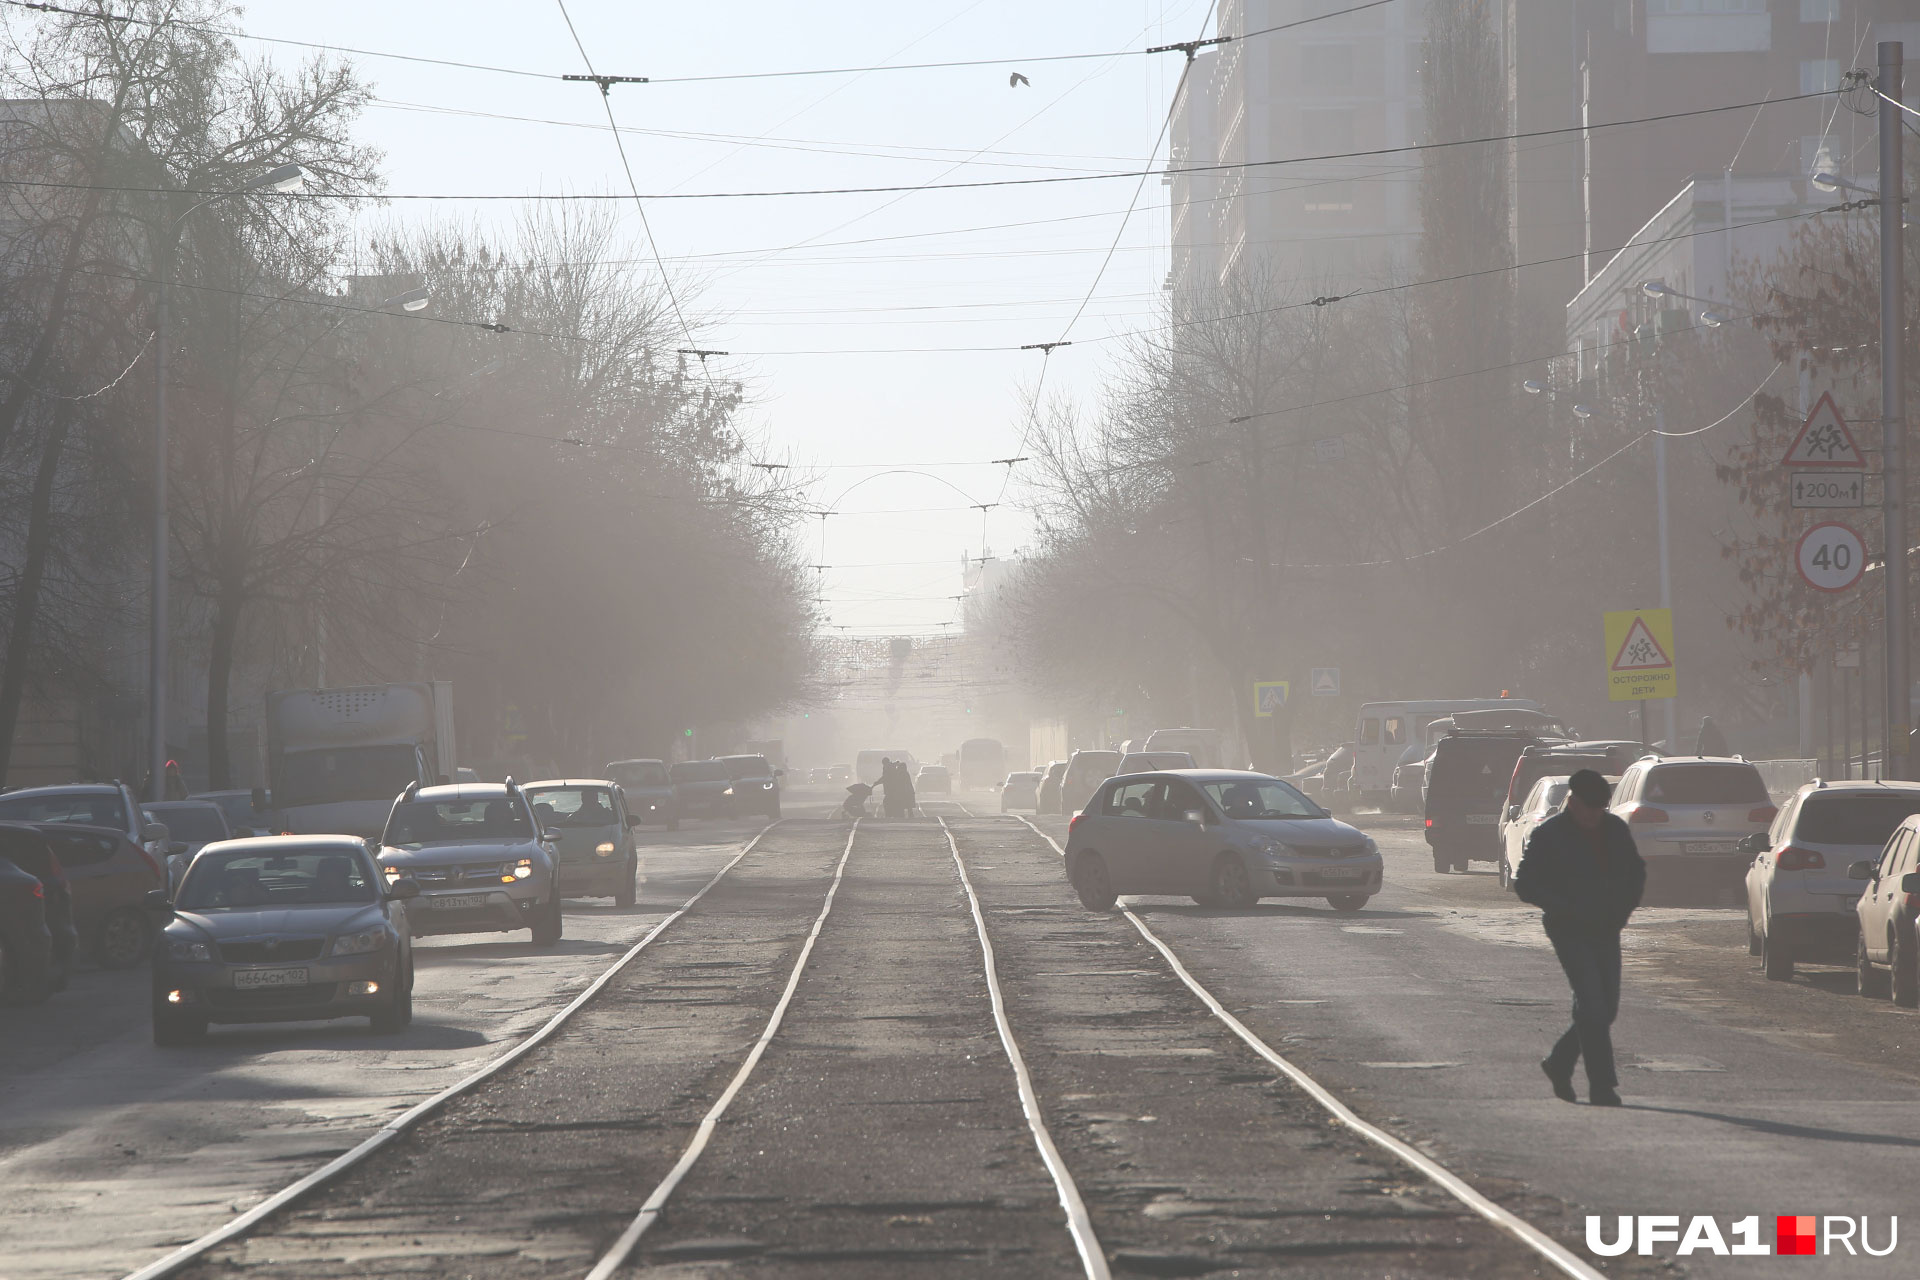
column 855, row 805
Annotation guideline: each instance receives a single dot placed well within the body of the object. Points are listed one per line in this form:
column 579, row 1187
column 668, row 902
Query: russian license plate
column 457, row 901
column 245, row 979
column 1343, row 875
column 1707, row 846
column 1480, row 819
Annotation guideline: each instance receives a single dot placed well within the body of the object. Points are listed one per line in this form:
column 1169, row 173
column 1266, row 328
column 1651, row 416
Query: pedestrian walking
column 1712, row 742
column 1580, row 867
column 892, row 784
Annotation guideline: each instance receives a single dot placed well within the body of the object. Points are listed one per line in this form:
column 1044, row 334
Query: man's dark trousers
column 1591, row 958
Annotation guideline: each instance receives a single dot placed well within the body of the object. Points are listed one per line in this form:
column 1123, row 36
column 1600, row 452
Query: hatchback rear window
column 1705, row 784
column 1855, row 819
column 1473, row 767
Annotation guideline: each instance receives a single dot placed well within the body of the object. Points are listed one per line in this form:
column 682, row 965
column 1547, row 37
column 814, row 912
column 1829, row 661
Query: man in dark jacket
column 1580, row 867
column 1711, row 742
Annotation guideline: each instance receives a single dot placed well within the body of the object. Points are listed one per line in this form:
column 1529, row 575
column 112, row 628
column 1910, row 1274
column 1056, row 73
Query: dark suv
column 755, row 785
column 1466, row 793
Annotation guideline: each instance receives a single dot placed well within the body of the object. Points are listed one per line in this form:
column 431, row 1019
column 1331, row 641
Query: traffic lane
column 1432, row 1016
column 112, row 1151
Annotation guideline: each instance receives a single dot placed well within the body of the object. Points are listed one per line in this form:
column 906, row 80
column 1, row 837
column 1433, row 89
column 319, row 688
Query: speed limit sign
column 1831, row 557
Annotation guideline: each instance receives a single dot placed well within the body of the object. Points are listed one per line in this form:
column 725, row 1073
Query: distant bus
column 866, row 765
column 1390, row 731
column 983, row 762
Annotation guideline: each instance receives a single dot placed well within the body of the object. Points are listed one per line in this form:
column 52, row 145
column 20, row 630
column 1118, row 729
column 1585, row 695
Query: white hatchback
column 1800, row 899
column 1885, row 954
column 1548, row 797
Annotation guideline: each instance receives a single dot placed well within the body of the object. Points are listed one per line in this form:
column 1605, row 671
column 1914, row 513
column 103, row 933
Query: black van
column 1466, row 789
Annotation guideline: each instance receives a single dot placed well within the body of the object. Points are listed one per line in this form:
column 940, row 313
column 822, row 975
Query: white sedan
column 1548, row 797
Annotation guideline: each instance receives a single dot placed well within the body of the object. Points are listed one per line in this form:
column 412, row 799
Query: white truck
column 336, row 758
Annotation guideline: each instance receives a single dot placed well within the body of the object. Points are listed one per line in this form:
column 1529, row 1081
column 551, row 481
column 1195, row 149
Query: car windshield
column 1705, row 784
column 639, row 773
column 1255, row 798
column 352, row 773
column 572, row 806
column 422, row 822
column 748, row 767
column 242, row 881
column 86, row 808
column 1852, row 819
column 699, row 771
column 238, row 808
column 1473, row 768
column 193, row 823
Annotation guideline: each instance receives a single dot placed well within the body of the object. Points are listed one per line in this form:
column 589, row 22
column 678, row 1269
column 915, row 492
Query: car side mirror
column 403, row 888
column 1513, row 811
column 1198, row 817
column 259, row 798
column 633, row 819
column 158, row 901
column 549, row 837
column 1910, row 882
column 1861, row 871
column 1755, row 843
column 155, row 833
column 177, row 846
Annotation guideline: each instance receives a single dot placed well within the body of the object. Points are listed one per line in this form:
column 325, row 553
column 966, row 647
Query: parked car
column 110, row 877
column 649, row 791
column 1049, row 793
column 1409, row 790
column 1689, row 815
column 1020, row 791
column 243, row 819
column 1152, row 762
column 1885, row 947
column 27, row 848
column 1222, row 838
column 754, row 785
column 191, row 826
column 282, row 929
column 1608, row 758
column 87, row 804
column 26, row 945
column 479, row 858
column 933, row 780
column 1801, row 897
column 598, row 858
column 1086, row 770
column 701, row 788
column 1548, row 797
column 1466, row 790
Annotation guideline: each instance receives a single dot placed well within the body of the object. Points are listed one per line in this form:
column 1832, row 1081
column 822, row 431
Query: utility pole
column 1893, row 420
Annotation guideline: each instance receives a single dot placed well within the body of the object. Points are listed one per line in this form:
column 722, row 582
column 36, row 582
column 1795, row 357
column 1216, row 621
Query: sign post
column 1325, row 682
column 1269, row 698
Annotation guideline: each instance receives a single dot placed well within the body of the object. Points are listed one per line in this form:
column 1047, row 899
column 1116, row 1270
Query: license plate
column 1343, row 875
column 247, row 978
column 457, row 901
column 1480, row 819
column 1707, row 846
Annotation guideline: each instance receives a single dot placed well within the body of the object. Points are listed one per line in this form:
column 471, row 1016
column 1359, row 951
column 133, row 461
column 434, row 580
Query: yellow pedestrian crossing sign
column 1639, row 654
column 1270, row 698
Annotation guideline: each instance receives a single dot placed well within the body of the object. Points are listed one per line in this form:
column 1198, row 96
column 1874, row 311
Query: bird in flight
column 1015, row 80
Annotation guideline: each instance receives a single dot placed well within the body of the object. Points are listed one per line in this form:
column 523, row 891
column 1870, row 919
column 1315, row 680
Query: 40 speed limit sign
column 1831, row 557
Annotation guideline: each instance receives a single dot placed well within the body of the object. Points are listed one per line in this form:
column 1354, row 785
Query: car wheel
column 547, row 924
column 1092, row 882
column 398, row 1013
column 1753, row 937
column 1868, row 981
column 1904, row 981
column 1231, row 884
column 1506, row 873
column 172, row 1030
column 1776, row 961
column 124, row 940
column 1441, row 862
column 1347, row 901
column 624, row 894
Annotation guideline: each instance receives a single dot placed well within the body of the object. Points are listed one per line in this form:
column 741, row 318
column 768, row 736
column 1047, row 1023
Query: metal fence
column 1784, row 777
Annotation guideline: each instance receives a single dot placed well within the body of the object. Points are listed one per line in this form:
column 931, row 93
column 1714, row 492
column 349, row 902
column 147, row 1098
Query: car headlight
column 727, row 792
column 200, row 951
column 1371, row 847
column 522, row 869
column 766, row 786
column 1269, row 848
column 604, row 848
column 358, row 944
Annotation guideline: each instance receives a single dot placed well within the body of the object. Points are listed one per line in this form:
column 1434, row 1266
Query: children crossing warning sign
column 1824, row 440
column 1639, row 652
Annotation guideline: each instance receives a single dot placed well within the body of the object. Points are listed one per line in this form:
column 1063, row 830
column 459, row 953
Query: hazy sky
column 843, row 279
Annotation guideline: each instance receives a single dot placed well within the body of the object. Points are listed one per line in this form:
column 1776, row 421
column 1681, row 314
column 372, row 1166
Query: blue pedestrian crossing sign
column 1269, row 698
column 1325, row 682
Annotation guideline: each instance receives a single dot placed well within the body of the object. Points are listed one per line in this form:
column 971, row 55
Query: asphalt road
column 881, row 1133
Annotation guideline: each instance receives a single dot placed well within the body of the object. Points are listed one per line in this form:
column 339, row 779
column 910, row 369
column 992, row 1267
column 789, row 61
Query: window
column 1819, row 75
column 84, row 808
column 1396, row 731
column 1851, row 819
column 1132, row 800
column 1896, row 849
column 1369, row 732
column 424, row 822
column 1180, row 800
column 1706, row 784
column 1665, row 7
column 573, row 807
column 294, row 878
column 1819, row 10
column 1326, row 68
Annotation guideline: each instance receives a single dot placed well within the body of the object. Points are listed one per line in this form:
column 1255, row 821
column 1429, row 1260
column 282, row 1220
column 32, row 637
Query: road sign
column 1325, row 682
column 1639, row 653
column 1269, row 698
column 1828, row 489
column 1824, row 440
column 1831, row 556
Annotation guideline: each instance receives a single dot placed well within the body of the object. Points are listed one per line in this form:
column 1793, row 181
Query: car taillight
column 160, row 877
column 1429, row 821
column 1646, row 813
column 1792, row 859
column 1765, row 813
column 1075, row 821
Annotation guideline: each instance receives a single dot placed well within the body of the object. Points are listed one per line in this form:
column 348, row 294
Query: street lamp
column 1657, row 289
column 284, row 179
